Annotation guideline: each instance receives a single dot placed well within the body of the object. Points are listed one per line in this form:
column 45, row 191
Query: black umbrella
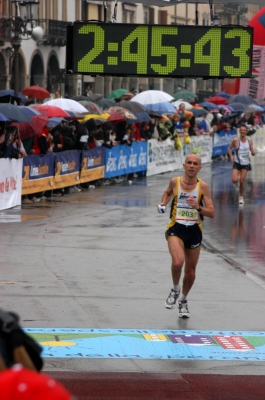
column 14, row 113
column 136, row 108
column 96, row 96
column 82, row 98
column 154, row 114
column 11, row 93
column 238, row 107
column 106, row 103
column 242, row 98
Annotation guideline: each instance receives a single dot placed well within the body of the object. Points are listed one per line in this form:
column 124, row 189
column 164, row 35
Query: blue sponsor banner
column 221, row 142
column 37, row 173
column 124, row 159
column 67, row 168
column 93, row 164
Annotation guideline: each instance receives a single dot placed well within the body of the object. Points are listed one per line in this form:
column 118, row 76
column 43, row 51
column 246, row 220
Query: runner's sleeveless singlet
column 181, row 212
column 242, row 153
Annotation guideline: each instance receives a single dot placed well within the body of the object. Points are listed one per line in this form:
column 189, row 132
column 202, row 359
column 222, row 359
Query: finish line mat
column 150, row 344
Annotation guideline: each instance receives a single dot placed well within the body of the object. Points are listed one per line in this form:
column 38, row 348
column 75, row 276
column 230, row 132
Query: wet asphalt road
column 238, row 232
column 98, row 259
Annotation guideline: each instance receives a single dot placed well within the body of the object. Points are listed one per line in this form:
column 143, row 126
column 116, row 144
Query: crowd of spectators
column 74, row 134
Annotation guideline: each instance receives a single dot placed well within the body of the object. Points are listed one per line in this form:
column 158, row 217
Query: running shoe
column 183, row 309
column 172, row 299
column 241, row 200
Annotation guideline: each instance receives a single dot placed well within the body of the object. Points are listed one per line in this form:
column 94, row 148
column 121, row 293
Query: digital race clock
column 159, row 50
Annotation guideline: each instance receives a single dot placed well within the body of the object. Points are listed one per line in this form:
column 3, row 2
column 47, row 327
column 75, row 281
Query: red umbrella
column 115, row 117
column 50, row 111
column 27, row 129
column 216, row 100
column 37, row 92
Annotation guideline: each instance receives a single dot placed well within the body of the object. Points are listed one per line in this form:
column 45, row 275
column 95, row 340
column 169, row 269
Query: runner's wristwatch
column 199, row 209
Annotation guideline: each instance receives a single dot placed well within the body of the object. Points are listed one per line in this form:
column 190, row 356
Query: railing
column 231, row 8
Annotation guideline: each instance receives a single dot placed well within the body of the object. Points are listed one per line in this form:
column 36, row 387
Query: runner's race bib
column 186, row 215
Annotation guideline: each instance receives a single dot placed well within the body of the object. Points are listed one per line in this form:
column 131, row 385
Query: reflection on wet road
column 238, row 232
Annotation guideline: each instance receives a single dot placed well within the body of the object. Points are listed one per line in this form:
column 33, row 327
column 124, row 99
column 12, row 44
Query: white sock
column 176, row 288
column 183, row 298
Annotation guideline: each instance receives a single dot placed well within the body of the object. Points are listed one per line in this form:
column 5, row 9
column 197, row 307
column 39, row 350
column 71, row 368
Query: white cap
column 219, row 115
column 83, row 139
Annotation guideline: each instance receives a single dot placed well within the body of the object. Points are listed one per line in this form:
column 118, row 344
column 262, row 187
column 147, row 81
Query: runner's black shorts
column 191, row 235
column 239, row 166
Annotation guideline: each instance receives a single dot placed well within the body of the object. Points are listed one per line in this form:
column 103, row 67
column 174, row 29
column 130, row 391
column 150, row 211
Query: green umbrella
column 116, row 94
column 184, row 95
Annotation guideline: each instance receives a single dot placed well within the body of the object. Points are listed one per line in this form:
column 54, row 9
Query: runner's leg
column 191, row 260
column 235, row 175
column 243, row 174
column 176, row 249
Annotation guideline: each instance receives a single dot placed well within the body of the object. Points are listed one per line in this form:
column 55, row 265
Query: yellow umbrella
column 95, row 116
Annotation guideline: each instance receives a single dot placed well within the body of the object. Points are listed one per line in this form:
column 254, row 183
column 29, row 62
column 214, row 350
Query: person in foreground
column 191, row 202
column 241, row 161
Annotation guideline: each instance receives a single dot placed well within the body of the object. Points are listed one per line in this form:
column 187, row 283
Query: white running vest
column 185, row 214
column 242, row 153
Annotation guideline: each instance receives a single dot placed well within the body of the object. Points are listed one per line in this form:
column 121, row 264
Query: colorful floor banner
column 10, row 183
column 93, row 164
column 243, row 346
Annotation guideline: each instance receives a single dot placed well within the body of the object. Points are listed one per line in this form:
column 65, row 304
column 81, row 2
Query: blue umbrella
column 53, row 122
column 162, row 108
column 14, row 113
column 242, row 99
column 209, row 105
column 223, row 94
column 3, row 117
column 31, row 112
column 11, row 93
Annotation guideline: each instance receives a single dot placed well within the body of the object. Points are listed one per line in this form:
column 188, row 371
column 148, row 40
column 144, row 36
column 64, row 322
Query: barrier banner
column 221, row 141
column 10, row 183
column 200, row 145
column 162, row 157
column 67, row 168
column 123, row 159
column 92, row 164
column 38, row 173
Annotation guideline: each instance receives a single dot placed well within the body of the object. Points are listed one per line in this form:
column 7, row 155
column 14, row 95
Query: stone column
column 99, row 85
column 116, row 82
column 108, row 85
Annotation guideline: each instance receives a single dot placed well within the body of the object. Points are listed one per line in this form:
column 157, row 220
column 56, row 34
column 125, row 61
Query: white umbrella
column 67, row 105
column 178, row 102
column 152, row 97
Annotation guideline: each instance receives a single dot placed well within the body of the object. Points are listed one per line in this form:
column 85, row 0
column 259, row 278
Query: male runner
column 191, row 202
column 241, row 161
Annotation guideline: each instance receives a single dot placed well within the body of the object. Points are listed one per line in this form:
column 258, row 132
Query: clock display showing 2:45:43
column 159, row 50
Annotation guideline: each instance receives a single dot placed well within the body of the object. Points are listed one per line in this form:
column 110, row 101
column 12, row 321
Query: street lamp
column 23, row 23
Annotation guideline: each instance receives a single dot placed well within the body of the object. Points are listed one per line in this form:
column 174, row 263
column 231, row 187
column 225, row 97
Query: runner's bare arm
column 229, row 150
column 168, row 192
column 251, row 146
column 208, row 208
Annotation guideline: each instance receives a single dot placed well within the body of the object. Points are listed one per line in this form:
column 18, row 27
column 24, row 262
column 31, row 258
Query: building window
column 146, row 15
column 128, row 13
